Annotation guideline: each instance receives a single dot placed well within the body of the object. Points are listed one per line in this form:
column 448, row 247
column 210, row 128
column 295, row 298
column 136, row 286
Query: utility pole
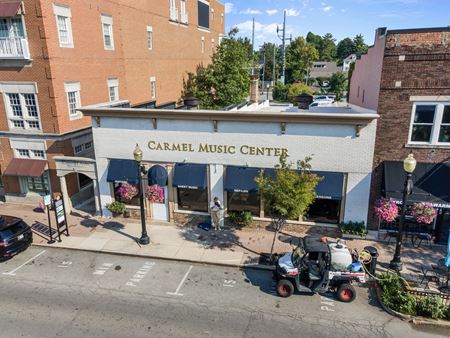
column 253, row 36
column 283, row 50
column 264, row 69
column 274, row 76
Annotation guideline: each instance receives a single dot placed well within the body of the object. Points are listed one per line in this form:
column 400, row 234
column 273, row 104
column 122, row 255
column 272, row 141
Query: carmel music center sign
column 217, row 148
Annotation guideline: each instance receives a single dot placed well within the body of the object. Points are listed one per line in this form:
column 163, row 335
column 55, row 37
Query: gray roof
column 324, row 69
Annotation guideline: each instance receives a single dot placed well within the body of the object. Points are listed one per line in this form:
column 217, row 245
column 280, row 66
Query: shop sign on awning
column 241, row 179
column 190, row 176
column 331, row 186
column 9, row 8
column 123, row 171
column 431, row 183
column 25, row 167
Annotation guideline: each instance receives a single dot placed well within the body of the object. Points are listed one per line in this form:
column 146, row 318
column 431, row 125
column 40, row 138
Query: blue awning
column 123, row 171
column 330, row 187
column 189, row 175
column 157, row 175
column 241, row 179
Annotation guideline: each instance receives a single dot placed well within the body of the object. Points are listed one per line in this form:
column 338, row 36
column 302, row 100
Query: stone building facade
column 56, row 56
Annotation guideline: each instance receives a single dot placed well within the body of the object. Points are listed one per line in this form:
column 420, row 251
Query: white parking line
column 13, row 272
column 176, row 293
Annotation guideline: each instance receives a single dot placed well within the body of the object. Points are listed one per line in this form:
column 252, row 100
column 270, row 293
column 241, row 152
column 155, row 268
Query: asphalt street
column 63, row 293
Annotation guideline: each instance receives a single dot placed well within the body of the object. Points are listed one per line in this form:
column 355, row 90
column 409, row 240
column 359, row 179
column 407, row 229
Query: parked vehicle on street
column 324, row 98
column 319, row 266
column 15, row 236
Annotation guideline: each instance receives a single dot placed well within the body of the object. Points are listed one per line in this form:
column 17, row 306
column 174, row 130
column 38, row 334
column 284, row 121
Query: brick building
column 58, row 55
column 405, row 78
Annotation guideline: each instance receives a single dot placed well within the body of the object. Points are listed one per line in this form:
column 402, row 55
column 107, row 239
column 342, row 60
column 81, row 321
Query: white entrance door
column 161, row 210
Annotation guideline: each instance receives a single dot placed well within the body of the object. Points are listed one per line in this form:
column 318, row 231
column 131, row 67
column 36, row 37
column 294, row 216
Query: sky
column 342, row 18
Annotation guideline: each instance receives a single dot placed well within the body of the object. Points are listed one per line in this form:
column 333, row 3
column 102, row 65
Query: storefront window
column 244, row 201
column 324, row 211
column 134, row 201
column 193, row 199
column 37, row 184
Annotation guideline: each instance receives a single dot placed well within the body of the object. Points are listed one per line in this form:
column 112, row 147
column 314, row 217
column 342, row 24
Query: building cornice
column 241, row 116
column 46, row 136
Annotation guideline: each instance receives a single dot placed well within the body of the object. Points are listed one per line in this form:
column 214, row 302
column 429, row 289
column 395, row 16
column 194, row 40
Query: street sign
column 47, row 200
column 59, row 209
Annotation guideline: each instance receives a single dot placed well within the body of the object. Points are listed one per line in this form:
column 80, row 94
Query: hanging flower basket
column 423, row 212
column 155, row 194
column 127, row 191
column 386, row 210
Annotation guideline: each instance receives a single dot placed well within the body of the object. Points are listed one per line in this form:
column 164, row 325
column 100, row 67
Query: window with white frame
column 11, row 28
column 29, row 153
column 150, row 37
column 88, row 145
column 63, row 25
column 78, row 149
column 107, row 27
column 153, row 87
column 173, row 10
column 21, row 105
column 430, row 123
column 72, row 90
column 113, row 89
column 183, row 15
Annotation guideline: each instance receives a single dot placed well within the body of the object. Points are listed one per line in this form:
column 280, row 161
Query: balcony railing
column 173, row 13
column 184, row 18
column 14, row 48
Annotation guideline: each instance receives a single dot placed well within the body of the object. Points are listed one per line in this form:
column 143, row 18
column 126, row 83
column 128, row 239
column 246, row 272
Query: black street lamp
column 137, row 154
column 409, row 164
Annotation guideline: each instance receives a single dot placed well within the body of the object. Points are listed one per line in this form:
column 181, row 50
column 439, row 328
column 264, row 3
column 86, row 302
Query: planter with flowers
column 155, row 194
column 386, row 210
column 423, row 212
column 127, row 191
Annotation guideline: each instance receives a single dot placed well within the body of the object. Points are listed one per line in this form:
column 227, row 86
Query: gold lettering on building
column 217, row 148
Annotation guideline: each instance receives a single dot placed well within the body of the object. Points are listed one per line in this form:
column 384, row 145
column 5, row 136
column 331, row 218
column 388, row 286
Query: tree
column 349, row 79
column 289, row 194
column 327, row 48
column 359, row 46
column 298, row 88
column 313, row 39
column 338, row 84
column 344, row 48
column 226, row 80
column 267, row 50
column 300, row 56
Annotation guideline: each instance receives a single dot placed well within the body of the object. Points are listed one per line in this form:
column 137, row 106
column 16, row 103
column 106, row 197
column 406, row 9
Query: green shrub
column 296, row 89
column 280, row 92
column 394, row 295
column 240, row 217
column 116, row 207
column 432, row 307
column 447, row 313
column 353, row 228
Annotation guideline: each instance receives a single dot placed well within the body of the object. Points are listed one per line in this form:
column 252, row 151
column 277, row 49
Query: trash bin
column 372, row 265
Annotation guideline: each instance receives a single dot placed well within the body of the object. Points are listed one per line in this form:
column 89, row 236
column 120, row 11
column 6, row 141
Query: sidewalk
column 232, row 247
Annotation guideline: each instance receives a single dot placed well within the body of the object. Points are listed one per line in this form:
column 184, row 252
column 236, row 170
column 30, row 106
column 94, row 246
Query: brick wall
column 424, row 72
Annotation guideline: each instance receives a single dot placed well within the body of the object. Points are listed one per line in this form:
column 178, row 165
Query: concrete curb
column 239, row 266
column 417, row 320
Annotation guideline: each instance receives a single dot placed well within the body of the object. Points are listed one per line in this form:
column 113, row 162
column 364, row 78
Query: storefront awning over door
column 123, row 171
column 330, row 187
column 25, row 167
column 9, row 8
column 190, row 175
column 241, row 179
column 431, row 183
column 157, row 175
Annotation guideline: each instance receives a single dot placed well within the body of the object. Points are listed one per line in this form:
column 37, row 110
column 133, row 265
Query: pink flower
column 386, row 210
column 155, row 194
column 423, row 212
column 127, row 191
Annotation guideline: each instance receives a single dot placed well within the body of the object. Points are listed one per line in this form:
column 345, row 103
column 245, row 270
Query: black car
column 15, row 236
